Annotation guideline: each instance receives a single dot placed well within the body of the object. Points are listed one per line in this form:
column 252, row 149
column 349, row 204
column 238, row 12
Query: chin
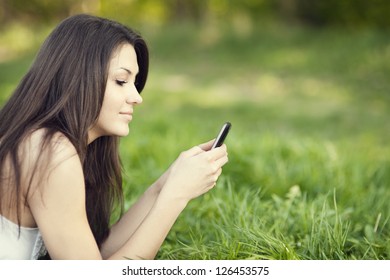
column 120, row 132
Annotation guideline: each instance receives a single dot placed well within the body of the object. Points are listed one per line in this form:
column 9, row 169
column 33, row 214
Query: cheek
column 112, row 102
column 104, row 114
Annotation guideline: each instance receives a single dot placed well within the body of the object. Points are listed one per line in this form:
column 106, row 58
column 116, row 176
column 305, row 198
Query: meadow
column 309, row 157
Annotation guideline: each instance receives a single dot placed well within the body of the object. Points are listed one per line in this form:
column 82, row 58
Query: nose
column 133, row 96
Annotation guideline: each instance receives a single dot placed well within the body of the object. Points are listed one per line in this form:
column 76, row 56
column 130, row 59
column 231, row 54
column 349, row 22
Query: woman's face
column 120, row 96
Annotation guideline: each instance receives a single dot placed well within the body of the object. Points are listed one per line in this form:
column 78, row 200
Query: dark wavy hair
column 63, row 92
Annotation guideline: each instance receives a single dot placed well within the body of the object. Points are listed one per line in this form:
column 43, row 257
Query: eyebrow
column 127, row 70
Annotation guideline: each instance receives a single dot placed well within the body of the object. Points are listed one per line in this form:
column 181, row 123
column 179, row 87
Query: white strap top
column 26, row 246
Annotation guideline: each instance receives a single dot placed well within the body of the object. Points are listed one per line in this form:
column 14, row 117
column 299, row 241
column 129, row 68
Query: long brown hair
column 63, row 92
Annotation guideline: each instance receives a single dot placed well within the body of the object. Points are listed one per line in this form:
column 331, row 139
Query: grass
column 309, row 170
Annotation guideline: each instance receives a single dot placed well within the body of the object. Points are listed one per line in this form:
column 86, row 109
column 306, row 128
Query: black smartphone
column 222, row 135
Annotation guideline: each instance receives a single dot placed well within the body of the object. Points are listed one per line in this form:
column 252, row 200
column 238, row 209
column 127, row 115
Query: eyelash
column 121, row 83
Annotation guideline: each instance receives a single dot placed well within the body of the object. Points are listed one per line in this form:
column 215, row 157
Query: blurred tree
column 312, row 12
column 4, row 12
column 41, row 11
column 192, row 9
column 374, row 13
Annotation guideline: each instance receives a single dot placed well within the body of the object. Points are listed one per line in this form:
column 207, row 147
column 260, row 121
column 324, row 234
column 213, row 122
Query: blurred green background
column 306, row 87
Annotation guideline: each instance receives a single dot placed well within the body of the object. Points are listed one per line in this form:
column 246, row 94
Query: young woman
column 60, row 171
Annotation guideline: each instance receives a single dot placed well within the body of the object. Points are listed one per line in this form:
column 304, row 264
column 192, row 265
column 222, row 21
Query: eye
column 120, row 82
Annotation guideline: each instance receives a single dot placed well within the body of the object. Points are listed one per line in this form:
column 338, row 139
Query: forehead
column 124, row 57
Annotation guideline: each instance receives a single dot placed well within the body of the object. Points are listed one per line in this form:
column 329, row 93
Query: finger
column 217, row 153
column 217, row 174
column 222, row 161
column 193, row 151
column 207, row 145
column 210, row 186
column 213, row 177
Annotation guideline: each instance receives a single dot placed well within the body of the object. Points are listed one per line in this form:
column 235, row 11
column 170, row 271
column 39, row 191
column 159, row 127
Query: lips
column 128, row 115
column 130, row 112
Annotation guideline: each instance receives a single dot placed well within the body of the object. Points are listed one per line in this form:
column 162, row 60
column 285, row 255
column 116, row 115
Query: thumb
column 207, row 145
column 194, row 151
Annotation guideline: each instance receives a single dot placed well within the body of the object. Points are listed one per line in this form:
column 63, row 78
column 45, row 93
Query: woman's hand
column 158, row 185
column 194, row 172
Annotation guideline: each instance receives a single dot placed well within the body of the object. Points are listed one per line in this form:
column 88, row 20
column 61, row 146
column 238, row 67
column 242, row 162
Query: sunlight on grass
column 289, row 58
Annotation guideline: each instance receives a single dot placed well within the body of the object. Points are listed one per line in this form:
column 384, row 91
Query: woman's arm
column 193, row 173
column 147, row 239
column 58, row 205
column 121, row 231
column 124, row 228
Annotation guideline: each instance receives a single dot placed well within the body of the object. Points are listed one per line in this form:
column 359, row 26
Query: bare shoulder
column 38, row 140
column 53, row 167
column 43, row 149
column 42, row 156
